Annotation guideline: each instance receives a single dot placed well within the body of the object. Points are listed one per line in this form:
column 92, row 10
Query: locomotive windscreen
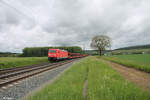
column 52, row 51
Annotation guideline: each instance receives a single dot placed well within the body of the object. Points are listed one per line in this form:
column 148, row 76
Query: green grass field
column 9, row 62
column 138, row 61
column 104, row 83
column 138, row 58
column 131, row 51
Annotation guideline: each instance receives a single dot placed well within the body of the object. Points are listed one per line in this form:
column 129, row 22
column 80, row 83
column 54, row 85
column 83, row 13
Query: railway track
column 8, row 76
column 9, row 70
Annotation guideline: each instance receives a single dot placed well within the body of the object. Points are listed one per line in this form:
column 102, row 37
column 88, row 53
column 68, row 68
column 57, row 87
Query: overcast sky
column 30, row 23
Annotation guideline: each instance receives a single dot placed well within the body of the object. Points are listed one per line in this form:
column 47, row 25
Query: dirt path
column 84, row 92
column 139, row 78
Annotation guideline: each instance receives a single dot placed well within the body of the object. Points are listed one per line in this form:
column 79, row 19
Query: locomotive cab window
column 52, row 51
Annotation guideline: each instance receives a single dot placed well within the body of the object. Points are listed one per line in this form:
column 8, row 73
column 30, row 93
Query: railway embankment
column 19, row 89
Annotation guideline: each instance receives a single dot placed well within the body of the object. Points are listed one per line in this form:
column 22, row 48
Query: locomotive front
column 57, row 54
column 52, row 54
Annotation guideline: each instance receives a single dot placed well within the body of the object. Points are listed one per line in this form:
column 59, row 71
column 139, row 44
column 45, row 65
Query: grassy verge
column 67, row 87
column 128, row 63
column 104, row 83
column 9, row 62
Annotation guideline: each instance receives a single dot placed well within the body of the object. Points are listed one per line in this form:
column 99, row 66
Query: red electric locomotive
column 57, row 54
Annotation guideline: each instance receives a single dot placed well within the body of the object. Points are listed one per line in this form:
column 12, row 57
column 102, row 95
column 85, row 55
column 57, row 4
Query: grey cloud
column 8, row 16
column 74, row 22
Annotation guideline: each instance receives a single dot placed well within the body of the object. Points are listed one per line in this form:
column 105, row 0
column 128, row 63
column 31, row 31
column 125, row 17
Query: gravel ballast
column 18, row 91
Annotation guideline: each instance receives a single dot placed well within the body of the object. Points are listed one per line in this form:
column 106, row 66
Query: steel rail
column 25, row 70
column 9, row 70
column 35, row 71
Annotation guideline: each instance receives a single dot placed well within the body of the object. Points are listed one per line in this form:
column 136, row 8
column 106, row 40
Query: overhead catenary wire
column 17, row 10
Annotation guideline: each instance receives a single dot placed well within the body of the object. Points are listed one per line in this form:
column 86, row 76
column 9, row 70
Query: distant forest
column 135, row 47
column 43, row 51
column 8, row 54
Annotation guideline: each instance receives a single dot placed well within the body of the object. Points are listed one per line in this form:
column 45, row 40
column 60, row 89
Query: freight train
column 58, row 54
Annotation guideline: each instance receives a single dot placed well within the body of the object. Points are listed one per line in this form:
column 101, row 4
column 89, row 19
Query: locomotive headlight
column 52, row 54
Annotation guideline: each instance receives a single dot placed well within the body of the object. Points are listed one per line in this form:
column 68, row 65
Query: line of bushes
column 42, row 51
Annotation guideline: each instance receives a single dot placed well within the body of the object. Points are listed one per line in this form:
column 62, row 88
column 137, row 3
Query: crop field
column 9, row 62
column 138, row 61
column 104, row 83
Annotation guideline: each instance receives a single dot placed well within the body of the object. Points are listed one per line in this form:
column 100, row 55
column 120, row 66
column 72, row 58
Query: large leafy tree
column 101, row 42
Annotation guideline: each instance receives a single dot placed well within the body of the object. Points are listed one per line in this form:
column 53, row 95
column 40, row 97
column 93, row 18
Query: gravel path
column 22, row 88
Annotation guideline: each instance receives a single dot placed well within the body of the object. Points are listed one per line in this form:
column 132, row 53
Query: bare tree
column 100, row 42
